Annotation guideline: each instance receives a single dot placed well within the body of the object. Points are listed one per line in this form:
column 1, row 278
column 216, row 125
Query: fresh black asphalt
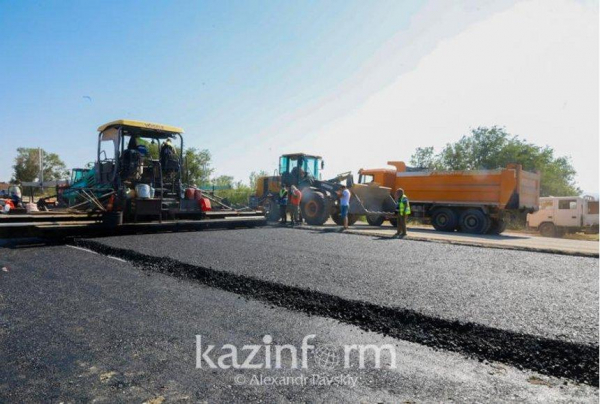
column 551, row 296
column 77, row 326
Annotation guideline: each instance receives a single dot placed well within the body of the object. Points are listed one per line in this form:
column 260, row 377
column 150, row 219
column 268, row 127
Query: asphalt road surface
column 535, row 293
column 119, row 323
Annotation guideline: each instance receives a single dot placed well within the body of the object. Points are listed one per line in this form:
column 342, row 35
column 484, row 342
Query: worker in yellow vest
column 403, row 209
column 283, row 202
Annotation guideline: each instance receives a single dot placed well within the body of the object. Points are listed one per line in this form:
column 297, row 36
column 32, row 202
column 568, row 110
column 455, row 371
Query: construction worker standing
column 294, row 205
column 403, row 209
column 283, row 201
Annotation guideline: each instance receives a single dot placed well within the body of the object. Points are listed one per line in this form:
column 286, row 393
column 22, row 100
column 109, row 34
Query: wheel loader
column 320, row 199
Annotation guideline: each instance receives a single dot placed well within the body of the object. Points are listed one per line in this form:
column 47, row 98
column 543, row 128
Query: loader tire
column 337, row 218
column 474, row 221
column 444, row 219
column 314, row 209
column 497, row 227
column 352, row 219
column 375, row 220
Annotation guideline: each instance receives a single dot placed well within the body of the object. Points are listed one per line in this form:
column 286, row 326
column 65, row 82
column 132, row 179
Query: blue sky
column 350, row 80
column 222, row 70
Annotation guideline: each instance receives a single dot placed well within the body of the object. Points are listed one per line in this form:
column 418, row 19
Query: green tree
column 490, row 148
column 198, row 167
column 223, row 181
column 424, row 157
column 27, row 168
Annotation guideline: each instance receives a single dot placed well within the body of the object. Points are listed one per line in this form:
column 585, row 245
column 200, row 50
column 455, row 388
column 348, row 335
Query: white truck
column 565, row 214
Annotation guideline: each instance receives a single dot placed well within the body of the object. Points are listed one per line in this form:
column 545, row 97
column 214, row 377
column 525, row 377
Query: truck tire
column 547, row 229
column 375, row 220
column 474, row 221
column 444, row 219
column 497, row 227
column 314, row 209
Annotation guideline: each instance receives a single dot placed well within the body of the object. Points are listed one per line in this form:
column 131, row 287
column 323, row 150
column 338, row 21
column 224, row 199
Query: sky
column 359, row 83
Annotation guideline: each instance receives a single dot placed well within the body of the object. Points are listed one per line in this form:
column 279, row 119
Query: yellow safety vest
column 403, row 206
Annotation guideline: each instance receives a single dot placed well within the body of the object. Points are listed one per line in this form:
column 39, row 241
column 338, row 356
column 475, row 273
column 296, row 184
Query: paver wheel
column 474, row 221
column 444, row 219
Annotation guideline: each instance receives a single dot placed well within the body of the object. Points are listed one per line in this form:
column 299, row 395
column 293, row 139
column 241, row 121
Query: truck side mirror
column 322, row 164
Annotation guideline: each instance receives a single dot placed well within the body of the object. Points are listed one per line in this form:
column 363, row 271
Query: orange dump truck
column 471, row 201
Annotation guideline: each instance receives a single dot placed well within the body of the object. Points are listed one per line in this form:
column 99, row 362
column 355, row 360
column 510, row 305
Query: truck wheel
column 547, row 230
column 474, row 221
column 444, row 219
column 314, row 209
column 497, row 227
column 375, row 220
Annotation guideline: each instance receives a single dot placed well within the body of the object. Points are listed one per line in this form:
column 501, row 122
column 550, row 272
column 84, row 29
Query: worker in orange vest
column 294, row 205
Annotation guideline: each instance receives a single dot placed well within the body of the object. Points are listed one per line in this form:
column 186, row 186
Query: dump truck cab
column 381, row 176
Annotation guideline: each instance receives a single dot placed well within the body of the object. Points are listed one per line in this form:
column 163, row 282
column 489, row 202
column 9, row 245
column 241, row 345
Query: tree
column 424, row 157
column 27, row 166
column 223, row 181
column 490, row 148
column 198, row 166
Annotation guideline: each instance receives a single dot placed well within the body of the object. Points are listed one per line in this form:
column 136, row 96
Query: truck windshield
column 365, row 179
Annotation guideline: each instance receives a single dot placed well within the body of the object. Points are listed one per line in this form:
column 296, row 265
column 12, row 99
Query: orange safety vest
column 296, row 197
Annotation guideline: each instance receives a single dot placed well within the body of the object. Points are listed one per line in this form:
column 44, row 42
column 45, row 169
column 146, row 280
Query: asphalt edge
column 430, row 240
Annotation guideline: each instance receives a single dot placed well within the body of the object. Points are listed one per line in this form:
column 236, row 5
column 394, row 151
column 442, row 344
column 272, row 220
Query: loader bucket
column 371, row 198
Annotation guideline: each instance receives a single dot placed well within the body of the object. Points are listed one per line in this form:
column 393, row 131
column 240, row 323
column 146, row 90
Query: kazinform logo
column 271, row 356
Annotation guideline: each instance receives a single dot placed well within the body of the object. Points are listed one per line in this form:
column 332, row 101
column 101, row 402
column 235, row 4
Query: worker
column 14, row 193
column 294, row 205
column 168, row 156
column 403, row 209
column 344, row 195
column 283, row 201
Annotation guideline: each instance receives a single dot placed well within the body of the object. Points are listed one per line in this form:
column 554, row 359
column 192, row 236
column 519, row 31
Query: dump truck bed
column 509, row 188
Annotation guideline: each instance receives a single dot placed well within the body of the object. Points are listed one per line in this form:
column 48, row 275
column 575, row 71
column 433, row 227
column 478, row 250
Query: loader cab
column 300, row 169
